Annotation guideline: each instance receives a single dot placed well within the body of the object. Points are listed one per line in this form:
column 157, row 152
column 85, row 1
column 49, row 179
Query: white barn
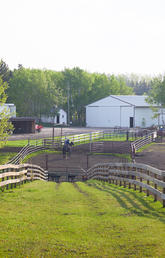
column 61, row 118
column 121, row 111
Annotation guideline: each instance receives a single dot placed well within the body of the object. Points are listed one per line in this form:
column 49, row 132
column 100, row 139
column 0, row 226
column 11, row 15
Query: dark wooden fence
column 139, row 176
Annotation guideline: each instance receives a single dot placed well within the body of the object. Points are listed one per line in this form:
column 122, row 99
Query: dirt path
column 77, row 160
column 154, row 156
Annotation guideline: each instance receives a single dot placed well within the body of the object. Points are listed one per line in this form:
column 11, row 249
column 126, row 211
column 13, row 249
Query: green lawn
column 22, row 143
column 6, row 156
column 17, row 143
column 91, row 219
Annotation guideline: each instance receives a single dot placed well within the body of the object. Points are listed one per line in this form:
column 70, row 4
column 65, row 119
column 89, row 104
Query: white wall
column 144, row 117
column 102, row 116
column 119, row 116
column 126, row 113
column 111, row 112
column 62, row 118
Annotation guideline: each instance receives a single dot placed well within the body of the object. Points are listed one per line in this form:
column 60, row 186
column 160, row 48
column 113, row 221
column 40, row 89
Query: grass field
column 6, row 156
column 22, row 143
column 90, row 219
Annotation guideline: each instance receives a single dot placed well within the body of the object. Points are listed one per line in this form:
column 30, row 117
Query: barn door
column 131, row 122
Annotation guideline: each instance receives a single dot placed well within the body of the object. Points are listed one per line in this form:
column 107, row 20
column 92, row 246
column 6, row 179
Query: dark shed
column 23, row 124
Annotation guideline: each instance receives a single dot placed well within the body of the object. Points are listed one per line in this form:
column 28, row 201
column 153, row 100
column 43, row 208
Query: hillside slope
column 91, row 219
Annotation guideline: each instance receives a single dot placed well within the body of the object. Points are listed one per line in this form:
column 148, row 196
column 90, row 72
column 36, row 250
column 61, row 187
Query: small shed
column 60, row 118
column 122, row 111
column 23, row 124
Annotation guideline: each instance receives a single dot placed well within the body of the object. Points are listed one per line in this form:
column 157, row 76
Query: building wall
column 60, row 119
column 119, row 116
column 102, row 116
column 112, row 112
column 144, row 117
column 125, row 114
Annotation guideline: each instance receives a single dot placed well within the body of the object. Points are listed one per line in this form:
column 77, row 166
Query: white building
column 61, row 118
column 9, row 108
column 122, row 111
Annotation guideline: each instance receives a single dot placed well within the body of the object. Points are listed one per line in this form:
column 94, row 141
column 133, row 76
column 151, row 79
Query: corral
column 103, row 160
column 73, row 168
column 91, row 151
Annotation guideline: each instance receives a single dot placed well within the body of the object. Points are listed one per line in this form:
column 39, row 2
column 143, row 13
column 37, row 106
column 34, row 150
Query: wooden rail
column 13, row 175
column 57, row 142
column 146, row 139
column 140, row 176
column 26, row 150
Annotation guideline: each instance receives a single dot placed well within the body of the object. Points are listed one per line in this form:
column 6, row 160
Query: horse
column 66, row 149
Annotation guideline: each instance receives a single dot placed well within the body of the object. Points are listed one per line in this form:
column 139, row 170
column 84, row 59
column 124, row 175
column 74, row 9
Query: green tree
column 82, row 88
column 157, row 96
column 5, row 73
column 5, row 126
column 76, row 85
column 157, row 92
column 34, row 92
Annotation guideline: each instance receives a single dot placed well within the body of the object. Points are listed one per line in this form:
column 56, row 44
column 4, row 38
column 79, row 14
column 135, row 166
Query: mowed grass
column 22, row 143
column 83, row 219
column 6, row 156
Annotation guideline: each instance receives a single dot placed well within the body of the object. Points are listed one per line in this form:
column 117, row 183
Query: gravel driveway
column 48, row 132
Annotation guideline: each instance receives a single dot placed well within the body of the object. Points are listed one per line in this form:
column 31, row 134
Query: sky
column 103, row 36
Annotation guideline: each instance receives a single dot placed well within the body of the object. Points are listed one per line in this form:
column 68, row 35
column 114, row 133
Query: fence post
column 7, row 186
column 155, row 185
column 11, row 183
column 90, row 142
column 148, row 182
column 127, row 136
column 46, row 162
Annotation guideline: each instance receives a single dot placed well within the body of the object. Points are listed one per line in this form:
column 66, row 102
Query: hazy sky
column 105, row 36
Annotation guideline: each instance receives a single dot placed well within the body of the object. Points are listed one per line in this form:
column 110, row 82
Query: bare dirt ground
column 154, row 156
column 77, row 160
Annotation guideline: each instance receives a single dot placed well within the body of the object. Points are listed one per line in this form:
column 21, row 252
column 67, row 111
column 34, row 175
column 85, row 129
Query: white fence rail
column 148, row 138
column 57, row 142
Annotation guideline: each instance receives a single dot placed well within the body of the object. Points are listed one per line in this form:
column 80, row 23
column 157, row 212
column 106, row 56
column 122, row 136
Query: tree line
column 38, row 92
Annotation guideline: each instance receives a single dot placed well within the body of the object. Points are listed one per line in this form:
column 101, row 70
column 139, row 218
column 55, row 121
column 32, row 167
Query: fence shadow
column 136, row 205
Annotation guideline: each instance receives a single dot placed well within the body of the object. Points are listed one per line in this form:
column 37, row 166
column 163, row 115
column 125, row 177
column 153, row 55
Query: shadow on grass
column 130, row 200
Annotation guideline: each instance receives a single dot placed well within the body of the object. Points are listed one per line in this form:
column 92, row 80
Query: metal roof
column 130, row 100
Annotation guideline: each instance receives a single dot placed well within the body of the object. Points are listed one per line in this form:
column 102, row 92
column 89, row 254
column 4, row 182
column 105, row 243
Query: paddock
column 74, row 167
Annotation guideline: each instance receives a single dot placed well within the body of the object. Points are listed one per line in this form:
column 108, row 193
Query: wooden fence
column 142, row 177
column 25, row 151
column 13, row 175
column 141, row 142
column 57, row 142
column 89, row 137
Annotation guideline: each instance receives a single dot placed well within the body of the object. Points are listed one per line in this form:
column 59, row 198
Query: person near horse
column 67, row 141
column 66, row 147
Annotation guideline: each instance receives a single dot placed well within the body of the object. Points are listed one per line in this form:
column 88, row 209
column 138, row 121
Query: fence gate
column 66, row 174
column 97, row 147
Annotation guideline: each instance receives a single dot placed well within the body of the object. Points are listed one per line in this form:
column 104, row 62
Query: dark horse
column 66, row 149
